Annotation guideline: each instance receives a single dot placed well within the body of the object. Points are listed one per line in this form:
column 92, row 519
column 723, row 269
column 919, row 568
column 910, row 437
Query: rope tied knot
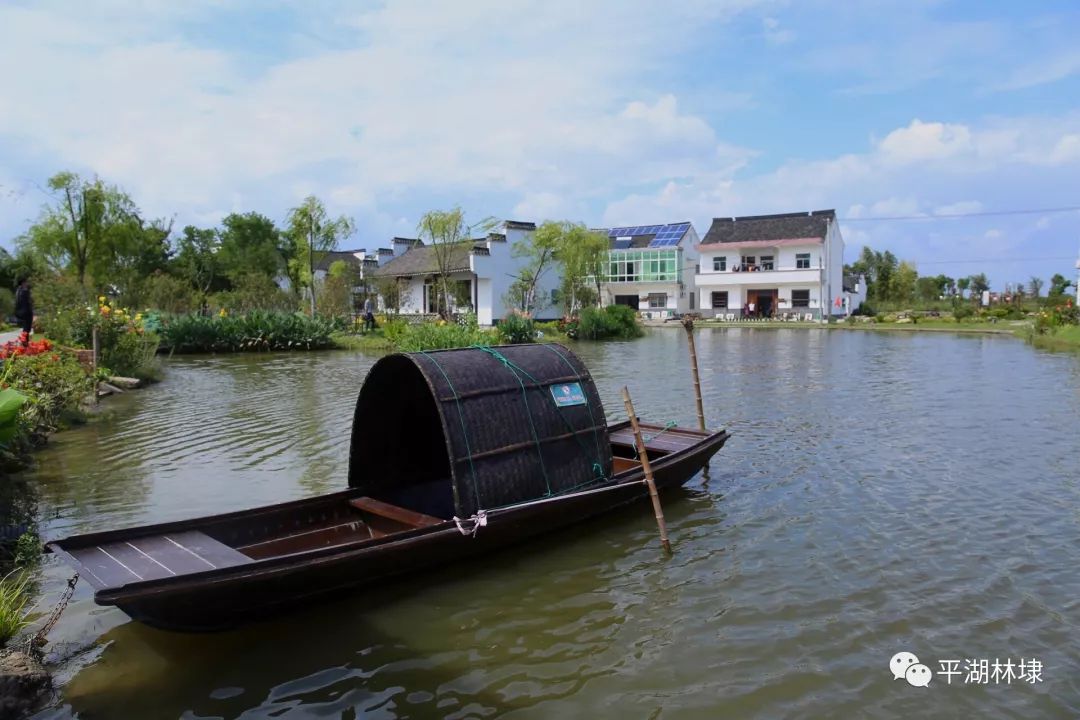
column 478, row 521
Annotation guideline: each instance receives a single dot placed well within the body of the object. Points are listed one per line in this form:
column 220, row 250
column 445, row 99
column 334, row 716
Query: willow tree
column 448, row 236
column 313, row 234
column 76, row 233
column 538, row 250
column 582, row 254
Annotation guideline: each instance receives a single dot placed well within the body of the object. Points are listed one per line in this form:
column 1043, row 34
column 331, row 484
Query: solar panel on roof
column 622, row 243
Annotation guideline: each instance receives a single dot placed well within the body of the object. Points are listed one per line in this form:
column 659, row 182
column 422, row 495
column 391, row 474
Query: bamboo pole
column 688, row 323
column 657, row 510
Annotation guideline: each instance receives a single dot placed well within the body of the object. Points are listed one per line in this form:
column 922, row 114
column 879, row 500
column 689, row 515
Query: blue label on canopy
column 567, row 395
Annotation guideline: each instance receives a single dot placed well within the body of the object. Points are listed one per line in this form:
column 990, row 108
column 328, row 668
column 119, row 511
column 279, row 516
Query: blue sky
column 612, row 112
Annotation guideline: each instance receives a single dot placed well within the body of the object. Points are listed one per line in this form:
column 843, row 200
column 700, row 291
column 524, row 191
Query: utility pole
column 311, row 259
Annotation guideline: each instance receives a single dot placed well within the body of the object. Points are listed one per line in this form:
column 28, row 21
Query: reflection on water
column 881, row 493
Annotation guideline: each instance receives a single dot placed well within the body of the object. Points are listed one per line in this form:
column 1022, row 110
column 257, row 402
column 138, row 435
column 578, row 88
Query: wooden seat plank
column 393, row 512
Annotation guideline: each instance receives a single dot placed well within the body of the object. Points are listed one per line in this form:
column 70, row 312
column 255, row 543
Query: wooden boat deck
column 155, row 556
column 658, row 438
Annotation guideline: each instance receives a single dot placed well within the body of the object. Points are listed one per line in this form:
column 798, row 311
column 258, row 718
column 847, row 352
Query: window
column 766, row 262
column 643, row 266
column 657, row 301
column 748, row 259
column 802, row 261
column 800, row 298
column 719, row 299
column 719, row 264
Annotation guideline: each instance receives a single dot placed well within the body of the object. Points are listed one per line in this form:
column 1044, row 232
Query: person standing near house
column 24, row 308
column 369, row 314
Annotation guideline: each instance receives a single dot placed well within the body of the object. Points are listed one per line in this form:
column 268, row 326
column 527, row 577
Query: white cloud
column 919, row 142
column 520, row 97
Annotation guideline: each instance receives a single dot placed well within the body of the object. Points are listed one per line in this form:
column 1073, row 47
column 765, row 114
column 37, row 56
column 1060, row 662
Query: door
column 764, row 302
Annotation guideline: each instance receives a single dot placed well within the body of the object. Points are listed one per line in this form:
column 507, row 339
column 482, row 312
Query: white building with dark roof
column 480, row 273
column 651, row 268
column 773, row 266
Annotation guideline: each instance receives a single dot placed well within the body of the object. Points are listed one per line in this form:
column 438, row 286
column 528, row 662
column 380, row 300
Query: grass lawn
column 1065, row 339
column 368, row 342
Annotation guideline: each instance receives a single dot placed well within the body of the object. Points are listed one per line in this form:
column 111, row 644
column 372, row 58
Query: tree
column 581, row 253
column 249, row 244
column 336, row 299
column 878, row 268
column 538, row 249
column 962, row 285
column 932, row 288
column 1036, row 285
column 89, row 222
column 445, row 231
column 313, row 234
column 902, row 283
column 394, row 292
column 197, row 258
column 979, row 285
column 1058, row 285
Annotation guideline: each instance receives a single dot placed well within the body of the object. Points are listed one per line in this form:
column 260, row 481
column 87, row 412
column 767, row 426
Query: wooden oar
column 657, row 510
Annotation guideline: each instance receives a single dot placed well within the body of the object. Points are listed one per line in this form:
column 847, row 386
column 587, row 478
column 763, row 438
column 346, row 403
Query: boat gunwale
column 118, row 594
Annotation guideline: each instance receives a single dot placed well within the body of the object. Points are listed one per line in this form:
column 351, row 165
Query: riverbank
column 1065, row 339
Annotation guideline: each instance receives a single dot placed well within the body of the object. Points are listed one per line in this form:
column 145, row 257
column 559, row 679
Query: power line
column 990, row 260
column 949, row 216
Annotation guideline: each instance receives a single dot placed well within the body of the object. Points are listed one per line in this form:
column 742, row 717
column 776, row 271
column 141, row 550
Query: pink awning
column 786, row 242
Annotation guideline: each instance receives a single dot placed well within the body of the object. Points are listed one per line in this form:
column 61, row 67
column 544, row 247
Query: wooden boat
column 454, row 454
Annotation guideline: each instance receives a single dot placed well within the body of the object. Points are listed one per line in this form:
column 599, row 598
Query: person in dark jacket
column 24, row 308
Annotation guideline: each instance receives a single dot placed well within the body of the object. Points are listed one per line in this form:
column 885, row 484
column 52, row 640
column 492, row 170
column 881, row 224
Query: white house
column 854, row 292
column 772, row 266
column 651, row 268
column 481, row 272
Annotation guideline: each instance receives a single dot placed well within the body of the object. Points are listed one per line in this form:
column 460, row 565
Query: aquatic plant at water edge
column 613, row 321
column 438, row 335
column 253, row 332
column 517, row 327
column 14, row 598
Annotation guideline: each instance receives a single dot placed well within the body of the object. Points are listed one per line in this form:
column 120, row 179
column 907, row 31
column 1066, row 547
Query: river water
column 881, row 493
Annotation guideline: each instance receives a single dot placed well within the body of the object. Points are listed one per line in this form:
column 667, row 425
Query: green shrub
column 613, row 321
column 865, row 310
column 125, row 347
column 253, row 292
column 54, row 384
column 255, row 331
column 962, row 311
column 163, row 292
column 517, row 328
column 438, row 335
column 7, row 304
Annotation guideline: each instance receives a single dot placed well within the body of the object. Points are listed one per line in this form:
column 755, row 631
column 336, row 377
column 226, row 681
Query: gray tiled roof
column 769, row 227
column 423, row 260
column 333, row 256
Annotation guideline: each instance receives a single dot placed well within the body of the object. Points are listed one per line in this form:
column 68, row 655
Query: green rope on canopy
column 461, row 419
column 588, row 406
column 598, row 468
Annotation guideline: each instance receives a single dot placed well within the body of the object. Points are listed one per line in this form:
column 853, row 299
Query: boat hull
column 219, row 600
